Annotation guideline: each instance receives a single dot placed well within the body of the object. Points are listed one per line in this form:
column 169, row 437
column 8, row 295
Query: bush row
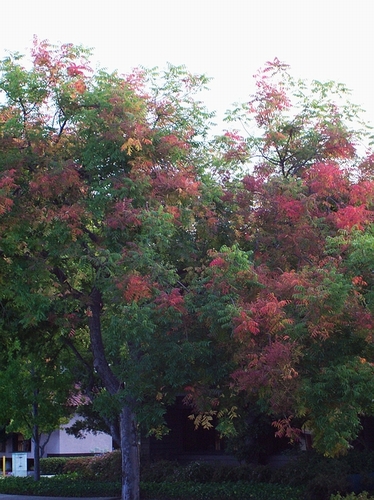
column 73, row 486
column 64, row 485
column 317, row 476
column 106, row 467
column 218, row 491
column 352, row 496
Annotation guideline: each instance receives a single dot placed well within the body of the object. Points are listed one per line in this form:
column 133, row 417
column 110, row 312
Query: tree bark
column 35, row 434
column 130, row 455
column 127, row 420
column 101, row 365
column 36, row 442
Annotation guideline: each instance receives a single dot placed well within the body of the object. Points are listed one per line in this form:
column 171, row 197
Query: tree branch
column 101, row 365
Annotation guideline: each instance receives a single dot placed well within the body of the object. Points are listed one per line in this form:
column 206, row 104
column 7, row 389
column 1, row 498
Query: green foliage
column 204, row 472
column 298, row 123
column 334, row 429
column 74, row 487
column 221, row 491
column 65, row 485
column 306, row 476
column 160, row 471
column 198, row 472
column 359, row 461
column 35, row 386
column 105, row 467
column 321, row 476
column 87, row 477
column 100, row 190
column 352, row 496
column 323, row 485
column 132, row 244
column 53, row 465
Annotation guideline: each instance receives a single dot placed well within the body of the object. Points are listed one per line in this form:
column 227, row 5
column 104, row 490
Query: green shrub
column 106, row 467
column 300, row 469
column 226, row 473
column 203, row 472
column 352, row 496
column 52, row 465
column 262, row 473
column 218, row 491
column 197, row 472
column 63, row 485
column 359, row 462
column 78, row 465
column 318, row 477
column 304, row 467
column 324, row 485
column 74, row 486
column 160, row 471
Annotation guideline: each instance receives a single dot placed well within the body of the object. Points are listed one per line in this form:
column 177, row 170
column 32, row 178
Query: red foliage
column 289, row 208
column 123, row 215
column 270, row 98
column 366, row 167
column 172, row 141
column 54, row 184
column 285, row 429
column 272, row 370
column 253, row 184
column 76, row 70
column 327, row 180
column 136, row 288
column 173, row 182
column 245, row 325
column 173, row 300
column 218, row 261
column 236, row 148
column 55, row 60
column 7, row 185
column 362, row 193
column 80, row 86
column 338, row 147
column 352, row 216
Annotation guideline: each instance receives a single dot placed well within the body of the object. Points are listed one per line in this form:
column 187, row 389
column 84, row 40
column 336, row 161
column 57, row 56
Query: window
column 21, row 444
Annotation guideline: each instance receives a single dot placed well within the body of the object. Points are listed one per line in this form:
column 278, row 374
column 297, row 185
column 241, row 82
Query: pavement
column 29, row 497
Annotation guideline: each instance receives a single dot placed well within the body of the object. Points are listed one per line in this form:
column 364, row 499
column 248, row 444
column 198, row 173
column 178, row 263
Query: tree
column 163, row 269
column 303, row 208
column 103, row 198
column 35, row 398
column 292, row 124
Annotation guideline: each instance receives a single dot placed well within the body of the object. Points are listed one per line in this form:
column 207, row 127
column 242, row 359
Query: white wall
column 65, row 444
column 61, row 443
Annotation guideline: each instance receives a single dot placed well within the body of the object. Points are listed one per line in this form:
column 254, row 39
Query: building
column 60, row 443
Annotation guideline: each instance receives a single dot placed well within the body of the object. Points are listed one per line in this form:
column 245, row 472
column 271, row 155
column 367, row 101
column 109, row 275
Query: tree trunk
column 36, row 437
column 130, row 455
column 110, row 381
column 127, row 419
column 36, row 441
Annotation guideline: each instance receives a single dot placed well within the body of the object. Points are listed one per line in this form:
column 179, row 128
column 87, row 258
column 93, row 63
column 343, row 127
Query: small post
column 4, row 463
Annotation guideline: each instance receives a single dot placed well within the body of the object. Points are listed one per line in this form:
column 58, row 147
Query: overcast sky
column 228, row 40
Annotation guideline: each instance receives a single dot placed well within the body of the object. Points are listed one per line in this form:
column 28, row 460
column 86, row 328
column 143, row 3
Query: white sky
column 228, row 40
